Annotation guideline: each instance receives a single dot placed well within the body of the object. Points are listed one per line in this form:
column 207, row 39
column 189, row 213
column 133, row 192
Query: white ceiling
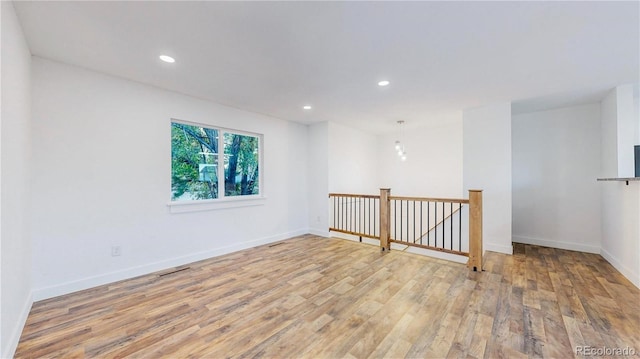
column 275, row 57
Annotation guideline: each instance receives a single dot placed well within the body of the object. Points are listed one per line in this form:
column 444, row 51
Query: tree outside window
column 196, row 169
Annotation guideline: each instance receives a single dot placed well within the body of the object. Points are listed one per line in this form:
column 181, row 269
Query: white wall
column 318, row 171
column 487, row 166
column 434, row 162
column 101, row 164
column 627, row 124
column 556, row 160
column 636, row 115
column 620, row 202
column 352, row 161
column 620, row 229
column 609, row 135
column 15, row 248
column 620, row 123
column 636, row 112
column 360, row 162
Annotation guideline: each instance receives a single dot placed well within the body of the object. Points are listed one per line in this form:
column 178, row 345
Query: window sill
column 215, row 204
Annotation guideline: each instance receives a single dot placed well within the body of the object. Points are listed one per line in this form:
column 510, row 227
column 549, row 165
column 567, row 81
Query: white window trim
column 223, row 202
column 216, row 204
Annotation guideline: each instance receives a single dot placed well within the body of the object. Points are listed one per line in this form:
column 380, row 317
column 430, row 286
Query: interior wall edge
column 14, row 339
column 634, row 278
column 498, row 248
column 319, row 232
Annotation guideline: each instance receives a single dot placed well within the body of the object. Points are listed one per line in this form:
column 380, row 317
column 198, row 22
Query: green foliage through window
column 195, row 163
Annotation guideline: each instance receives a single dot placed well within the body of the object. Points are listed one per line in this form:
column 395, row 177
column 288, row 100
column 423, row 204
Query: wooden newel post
column 385, row 219
column 475, row 230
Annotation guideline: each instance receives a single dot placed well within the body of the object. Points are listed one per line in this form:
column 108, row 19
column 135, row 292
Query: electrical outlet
column 115, row 251
column 318, row 219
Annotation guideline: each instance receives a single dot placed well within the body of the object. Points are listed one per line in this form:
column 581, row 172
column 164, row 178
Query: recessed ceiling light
column 306, row 107
column 383, row 83
column 168, row 59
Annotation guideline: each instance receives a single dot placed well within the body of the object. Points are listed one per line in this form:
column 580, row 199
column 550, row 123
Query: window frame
column 223, row 200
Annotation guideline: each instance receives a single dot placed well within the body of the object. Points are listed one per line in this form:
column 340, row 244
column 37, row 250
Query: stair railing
column 446, row 225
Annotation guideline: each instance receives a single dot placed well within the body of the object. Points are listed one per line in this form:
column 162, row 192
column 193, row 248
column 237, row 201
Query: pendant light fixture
column 399, row 144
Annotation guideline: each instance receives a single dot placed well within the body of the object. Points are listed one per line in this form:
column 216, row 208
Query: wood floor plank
column 313, row 297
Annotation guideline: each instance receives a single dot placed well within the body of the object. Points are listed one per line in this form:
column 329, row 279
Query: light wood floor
column 312, row 297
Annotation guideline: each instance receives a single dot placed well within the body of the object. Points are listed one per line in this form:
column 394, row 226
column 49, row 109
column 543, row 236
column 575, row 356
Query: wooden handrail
column 353, row 195
column 427, row 199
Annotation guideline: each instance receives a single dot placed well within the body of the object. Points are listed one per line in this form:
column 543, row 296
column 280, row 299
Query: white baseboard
column 106, row 278
column 581, row 247
column 341, row 235
column 354, row 238
column 633, row 277
column 497, row 248
column 437, row 254
column 319, row 232
column 14, row 339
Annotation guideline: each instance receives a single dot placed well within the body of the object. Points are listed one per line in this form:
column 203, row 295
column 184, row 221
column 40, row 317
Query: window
column 212, row 163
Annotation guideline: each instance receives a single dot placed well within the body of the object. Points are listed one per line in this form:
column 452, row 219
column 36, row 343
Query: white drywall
column 487, row 166
column 609, row 135
column 556, row 159
column 636, row 112
column 636, row 109
column 15, row 246
column 101, row 159
column 619, row 132
column 620, row 202
column 352, row 160
column 434, row 162
column 627, row 122
column 620, row 229
column 318, row 170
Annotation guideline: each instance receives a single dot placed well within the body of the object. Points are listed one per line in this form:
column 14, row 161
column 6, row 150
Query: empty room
column 222, row 179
